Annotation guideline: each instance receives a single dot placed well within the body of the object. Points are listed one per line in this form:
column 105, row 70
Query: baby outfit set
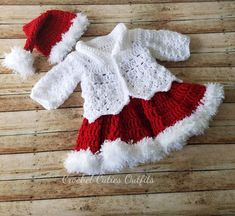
column 135, row 110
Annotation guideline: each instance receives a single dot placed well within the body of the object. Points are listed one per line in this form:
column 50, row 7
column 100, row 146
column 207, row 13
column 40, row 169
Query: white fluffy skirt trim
column 116, row 155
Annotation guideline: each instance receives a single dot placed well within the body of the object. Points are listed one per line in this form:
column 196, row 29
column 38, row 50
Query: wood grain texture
column 177, row 204
column 161, row 182
column 199, row 180
column 65, row 140
column 13, row 84
column 200, row 60
column 23, row 102
column 38, row 121
column 125, row 13
column 200, row 43
column 95, row 2
column 14, row 31
column 50, row 164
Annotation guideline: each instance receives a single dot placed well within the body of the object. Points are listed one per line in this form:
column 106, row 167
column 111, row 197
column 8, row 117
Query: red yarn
column 142, row 118
column 57, row 23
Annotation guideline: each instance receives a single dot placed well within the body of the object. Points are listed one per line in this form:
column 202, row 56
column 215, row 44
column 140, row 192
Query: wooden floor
column 199, row 180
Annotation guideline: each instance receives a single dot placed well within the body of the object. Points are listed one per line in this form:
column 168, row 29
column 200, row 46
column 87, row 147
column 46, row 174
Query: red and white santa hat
column 54, row 34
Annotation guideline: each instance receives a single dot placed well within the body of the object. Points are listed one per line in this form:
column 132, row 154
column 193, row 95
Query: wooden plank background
column 199, row 180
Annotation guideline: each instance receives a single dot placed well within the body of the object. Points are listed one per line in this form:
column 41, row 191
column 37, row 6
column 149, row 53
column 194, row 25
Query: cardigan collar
column 107, row 45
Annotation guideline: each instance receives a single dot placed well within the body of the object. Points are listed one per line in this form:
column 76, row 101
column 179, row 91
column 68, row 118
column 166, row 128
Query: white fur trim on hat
column 69, row 39
column 20, row 61
column 116, row 155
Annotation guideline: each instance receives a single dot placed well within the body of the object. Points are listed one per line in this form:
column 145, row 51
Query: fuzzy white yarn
column 54, row 88
column 20, row 61
column 84, row 161
column 112, row 68
column 69, row 39
column 116, row 155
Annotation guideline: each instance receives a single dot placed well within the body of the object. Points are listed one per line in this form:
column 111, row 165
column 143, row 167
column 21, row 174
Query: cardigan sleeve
column 165, row 45
column 55, row 87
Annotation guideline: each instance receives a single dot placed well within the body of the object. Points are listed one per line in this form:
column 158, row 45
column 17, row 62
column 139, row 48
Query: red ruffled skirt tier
column 145, row 130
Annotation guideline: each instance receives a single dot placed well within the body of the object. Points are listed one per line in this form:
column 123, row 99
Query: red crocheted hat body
column 54, row 34
column 46, row 30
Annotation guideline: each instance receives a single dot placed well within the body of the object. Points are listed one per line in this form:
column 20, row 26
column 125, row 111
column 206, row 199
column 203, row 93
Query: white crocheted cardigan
column 112, row 68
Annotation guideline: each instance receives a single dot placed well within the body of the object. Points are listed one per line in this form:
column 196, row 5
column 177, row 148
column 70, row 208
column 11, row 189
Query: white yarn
column 69, row 39
column 20, row 61
column 84, row 161
column 112, row 68
column 116, row 155
column 54, row 88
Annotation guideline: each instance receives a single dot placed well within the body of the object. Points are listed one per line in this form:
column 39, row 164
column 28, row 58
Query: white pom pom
column 20, row 61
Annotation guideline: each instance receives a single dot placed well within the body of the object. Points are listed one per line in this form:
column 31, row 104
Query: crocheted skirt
column 145, row 130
